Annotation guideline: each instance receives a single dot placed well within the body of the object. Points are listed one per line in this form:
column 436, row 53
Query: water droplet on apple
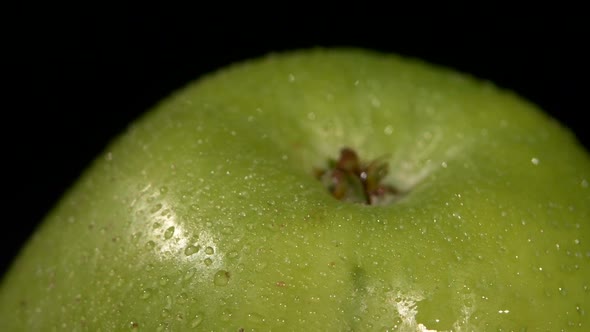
column 135, row 237
column 182, row 298
column 232, row 254
column 221, row 278
column 227, row 230
column 164, row 280
column 255, row 317
column 162, row 326
column 156, row 208
column 259, row 266
column 163, row 190
column 190, row 249
column 375, row 102
column 388, row 130
column 189, row 274
column 197, row 320
column 150, row 244
column 169, row 232
column 226, row 315
column 165, row 313
column 146, row 293
column 209, row 251
column 208, row 261
column 562, row 291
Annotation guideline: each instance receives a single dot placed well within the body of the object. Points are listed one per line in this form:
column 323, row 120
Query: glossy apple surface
column 205, row 214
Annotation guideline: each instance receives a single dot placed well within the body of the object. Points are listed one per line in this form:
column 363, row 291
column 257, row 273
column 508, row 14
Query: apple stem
column 349, row 179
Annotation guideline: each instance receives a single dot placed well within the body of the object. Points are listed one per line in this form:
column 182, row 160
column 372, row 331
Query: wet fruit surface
column 207, row 214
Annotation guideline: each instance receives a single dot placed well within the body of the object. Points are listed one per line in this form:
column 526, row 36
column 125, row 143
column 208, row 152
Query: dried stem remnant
column 349, row 179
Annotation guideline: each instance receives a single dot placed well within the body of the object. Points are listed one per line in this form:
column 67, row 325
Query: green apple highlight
column 206, row 214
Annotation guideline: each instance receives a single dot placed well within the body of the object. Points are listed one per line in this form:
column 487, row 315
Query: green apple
column 236, row 204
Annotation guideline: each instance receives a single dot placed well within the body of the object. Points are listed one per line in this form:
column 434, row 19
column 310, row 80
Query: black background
column 78, row 76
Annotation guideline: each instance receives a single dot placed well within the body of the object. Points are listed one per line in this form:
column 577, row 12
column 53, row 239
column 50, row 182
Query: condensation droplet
column 169, row 232
column 150, row 244
column 156, row 208
column 189, row 250
column 197, row 320
column 146, row 293
column 226, row 315
column 221, row 278
column 135, row 237
column 375, row 102
column 165, row 313
column 164, row 280
column 163, row 326
column 227, row 230
column 208, row 261
column 163, row 190
column 259, row 266
column 209, row 251
column 388, row 130
column 562, row 291
column 189, row 274
column 232, row 254
column 182, row 297
column 255, row 317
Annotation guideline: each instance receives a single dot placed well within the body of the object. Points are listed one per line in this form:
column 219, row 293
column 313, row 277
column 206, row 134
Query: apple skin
column 204, row 214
